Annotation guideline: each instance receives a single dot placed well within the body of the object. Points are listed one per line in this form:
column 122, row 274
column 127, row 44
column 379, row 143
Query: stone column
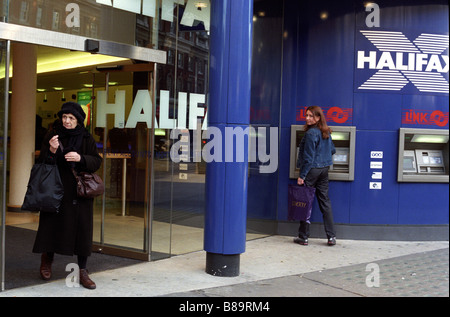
column 23, row 120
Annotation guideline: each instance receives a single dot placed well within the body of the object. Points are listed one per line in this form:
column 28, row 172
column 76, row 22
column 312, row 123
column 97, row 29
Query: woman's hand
column 300, row 181
column 72, row 157
column 54, row 144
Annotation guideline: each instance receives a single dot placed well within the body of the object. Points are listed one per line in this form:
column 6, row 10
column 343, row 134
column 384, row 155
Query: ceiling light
column 74, row 60
column 160, row 132
column 324, row 15
column 201, row 4
column 340, row 136
column 58, row 88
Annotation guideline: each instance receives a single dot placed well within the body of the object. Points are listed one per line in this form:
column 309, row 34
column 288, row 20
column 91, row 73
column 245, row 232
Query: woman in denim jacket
column 314, row 159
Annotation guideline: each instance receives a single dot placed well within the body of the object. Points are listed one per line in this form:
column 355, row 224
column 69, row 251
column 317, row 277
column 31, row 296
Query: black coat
column 69, row 231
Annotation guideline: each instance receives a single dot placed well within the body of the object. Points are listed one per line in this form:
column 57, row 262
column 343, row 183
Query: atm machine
column 343, row 167
column 423, row 156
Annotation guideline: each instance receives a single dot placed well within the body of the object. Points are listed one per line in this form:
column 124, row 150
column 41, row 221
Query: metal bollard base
column 222, row 264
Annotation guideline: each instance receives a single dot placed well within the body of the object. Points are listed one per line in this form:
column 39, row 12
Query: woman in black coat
column 69, row 231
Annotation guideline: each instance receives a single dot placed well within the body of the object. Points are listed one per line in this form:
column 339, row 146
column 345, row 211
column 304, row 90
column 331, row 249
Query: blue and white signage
column 392, row 61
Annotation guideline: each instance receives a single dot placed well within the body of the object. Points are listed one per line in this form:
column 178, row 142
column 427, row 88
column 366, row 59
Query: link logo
column 399, row 61
column 333, row 114
column 425, row 117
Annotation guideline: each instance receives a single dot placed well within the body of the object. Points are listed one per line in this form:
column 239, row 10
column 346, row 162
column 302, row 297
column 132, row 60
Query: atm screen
column 340, row 158
column 435, row 160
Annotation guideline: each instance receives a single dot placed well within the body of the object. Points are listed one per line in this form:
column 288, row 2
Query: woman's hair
column 321, row 124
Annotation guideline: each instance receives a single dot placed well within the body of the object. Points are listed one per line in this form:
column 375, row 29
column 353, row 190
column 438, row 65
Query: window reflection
column 179, row 187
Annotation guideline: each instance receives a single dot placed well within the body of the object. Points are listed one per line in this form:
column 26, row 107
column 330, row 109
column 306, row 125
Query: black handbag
column 45, row 189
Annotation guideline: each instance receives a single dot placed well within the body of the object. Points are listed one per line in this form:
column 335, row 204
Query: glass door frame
column 7, row 53
column 101, row 246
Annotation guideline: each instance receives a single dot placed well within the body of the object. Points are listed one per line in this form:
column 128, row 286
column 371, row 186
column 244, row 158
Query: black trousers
column 318, row 178
column 82, row 259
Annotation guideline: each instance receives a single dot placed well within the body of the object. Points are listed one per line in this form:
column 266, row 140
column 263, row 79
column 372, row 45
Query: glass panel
column 121, row 218
column 265, row 108
column 179, row 188
column 189, row 177
column 4, row 50
column 123, row 135
column 163, row 167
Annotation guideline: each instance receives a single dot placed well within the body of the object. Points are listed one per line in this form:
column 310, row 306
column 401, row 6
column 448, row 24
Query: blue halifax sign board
column 401, row 62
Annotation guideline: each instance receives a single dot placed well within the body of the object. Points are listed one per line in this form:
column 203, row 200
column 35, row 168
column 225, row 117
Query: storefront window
column 169, row 192
column 152, row 204
column 179, row 188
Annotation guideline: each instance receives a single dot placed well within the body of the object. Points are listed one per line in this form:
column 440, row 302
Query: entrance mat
column 22, row 265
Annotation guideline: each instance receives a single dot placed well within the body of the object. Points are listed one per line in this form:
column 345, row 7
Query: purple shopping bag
column 301, row 200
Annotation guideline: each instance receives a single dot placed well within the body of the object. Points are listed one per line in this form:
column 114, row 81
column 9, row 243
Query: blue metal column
column 228, row 108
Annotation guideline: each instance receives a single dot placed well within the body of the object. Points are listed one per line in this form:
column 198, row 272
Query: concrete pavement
column 276, row 267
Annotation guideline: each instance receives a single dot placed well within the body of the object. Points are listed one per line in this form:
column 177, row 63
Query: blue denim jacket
column 314, row 151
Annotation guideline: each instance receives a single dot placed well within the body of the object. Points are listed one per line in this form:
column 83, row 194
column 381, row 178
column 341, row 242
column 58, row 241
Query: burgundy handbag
column 89, row 185
column 301, row 200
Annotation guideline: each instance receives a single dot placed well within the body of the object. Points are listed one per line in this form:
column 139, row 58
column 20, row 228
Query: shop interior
column 122, row 216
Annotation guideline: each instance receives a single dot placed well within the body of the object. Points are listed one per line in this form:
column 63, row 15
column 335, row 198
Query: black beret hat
column 75, row 109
